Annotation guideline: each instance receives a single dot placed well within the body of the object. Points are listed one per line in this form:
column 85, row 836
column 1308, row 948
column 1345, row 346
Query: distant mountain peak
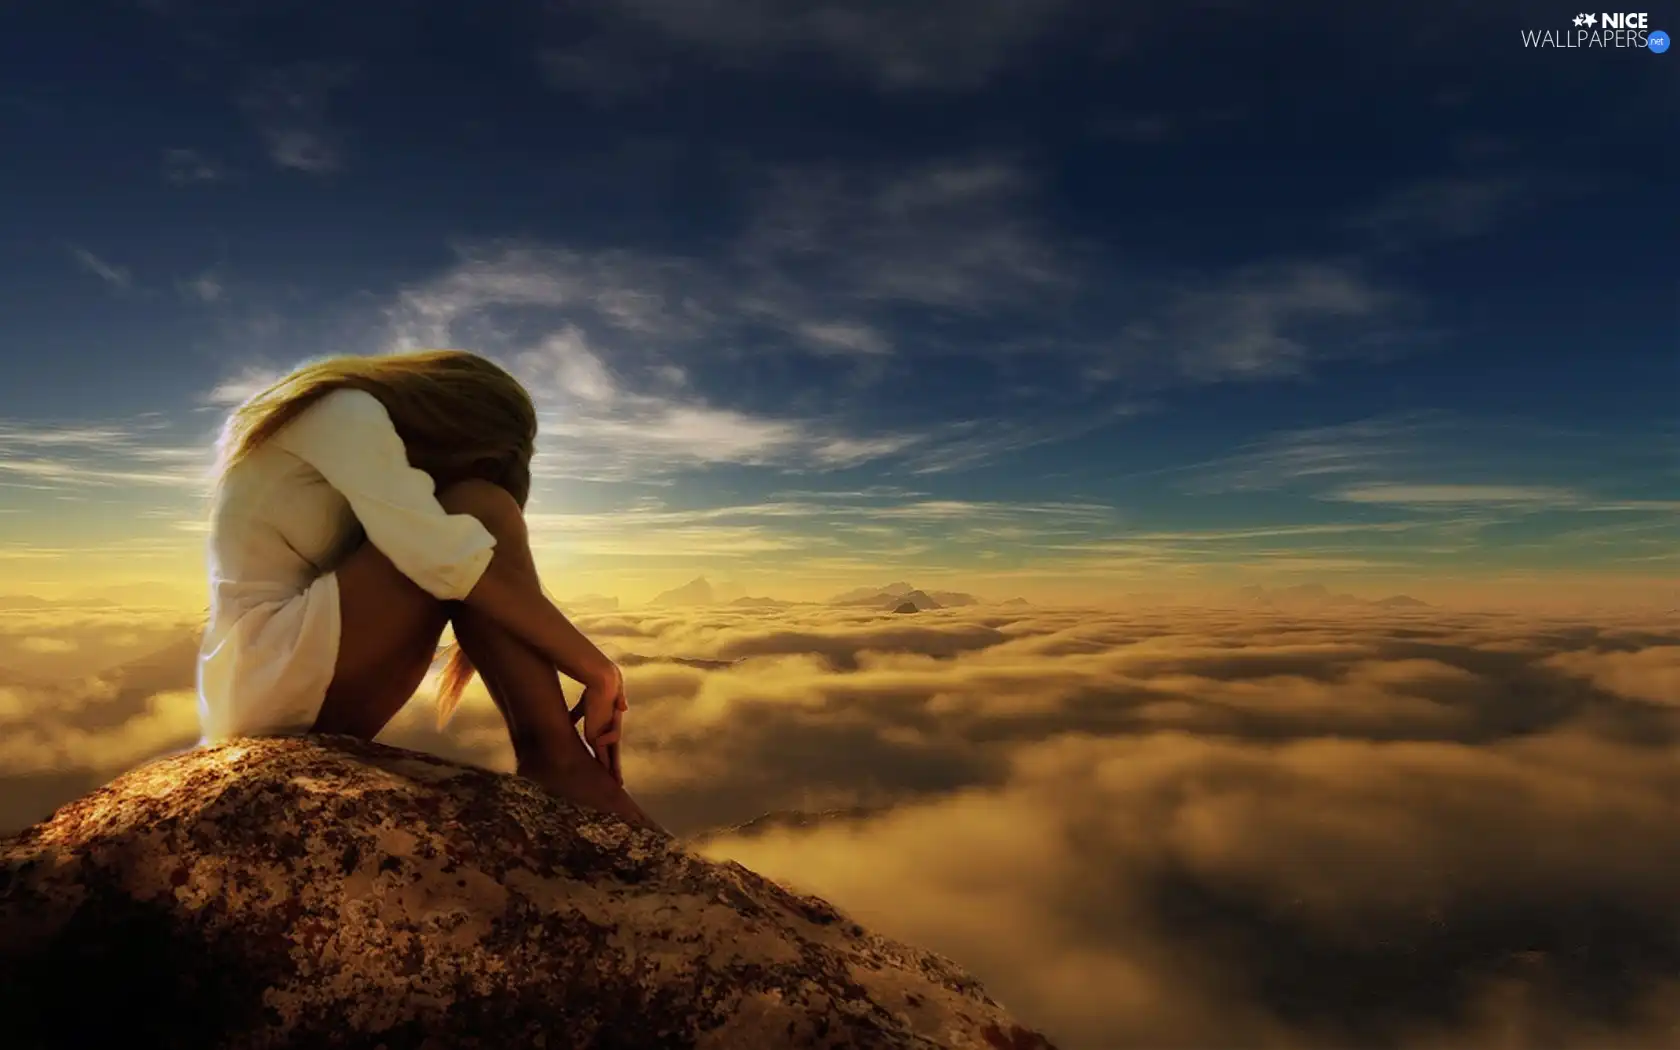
column 750, row 602
column 1404, row 601
column 895, row 594
column 1317, row 596
column 697, row 591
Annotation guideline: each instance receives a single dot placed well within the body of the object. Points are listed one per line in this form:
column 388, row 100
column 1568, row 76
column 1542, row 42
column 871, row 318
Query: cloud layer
column 1148, row 828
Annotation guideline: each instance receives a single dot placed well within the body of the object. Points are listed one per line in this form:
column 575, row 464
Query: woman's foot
column 589, row 784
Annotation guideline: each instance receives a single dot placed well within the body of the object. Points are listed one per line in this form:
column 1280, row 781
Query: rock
column 320, row 892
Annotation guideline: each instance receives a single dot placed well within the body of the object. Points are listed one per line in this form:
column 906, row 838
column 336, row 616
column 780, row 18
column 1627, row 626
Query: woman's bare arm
column 515, row 602
column 477, row 550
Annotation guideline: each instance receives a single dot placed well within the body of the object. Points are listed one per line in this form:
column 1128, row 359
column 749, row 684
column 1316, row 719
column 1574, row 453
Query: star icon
column 1592, row 20
column 1580, row 20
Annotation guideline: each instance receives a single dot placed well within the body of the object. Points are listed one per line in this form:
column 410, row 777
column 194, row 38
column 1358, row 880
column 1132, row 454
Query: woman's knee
column 486, row 501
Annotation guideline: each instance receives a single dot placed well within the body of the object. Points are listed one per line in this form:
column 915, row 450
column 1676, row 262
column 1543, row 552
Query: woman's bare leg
column 388, row 638
column 391, row 629
column 523, row 683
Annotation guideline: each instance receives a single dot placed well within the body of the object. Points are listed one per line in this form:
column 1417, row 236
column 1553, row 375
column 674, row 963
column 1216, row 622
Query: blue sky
column 1058, row 297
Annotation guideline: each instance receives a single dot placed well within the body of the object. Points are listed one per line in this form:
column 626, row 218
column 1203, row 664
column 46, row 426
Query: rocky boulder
column 323, row 892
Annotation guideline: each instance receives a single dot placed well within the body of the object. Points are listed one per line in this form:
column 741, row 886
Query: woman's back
column 276, row 524
column 284, row 517
column 276, row 529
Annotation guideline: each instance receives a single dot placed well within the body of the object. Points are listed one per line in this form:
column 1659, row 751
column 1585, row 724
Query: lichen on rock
column 316, row 892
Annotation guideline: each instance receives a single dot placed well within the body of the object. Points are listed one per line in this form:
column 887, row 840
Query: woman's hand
column 602, row 708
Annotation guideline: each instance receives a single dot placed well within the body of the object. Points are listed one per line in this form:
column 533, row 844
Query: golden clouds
column 1651, row 674
column 1171, row 827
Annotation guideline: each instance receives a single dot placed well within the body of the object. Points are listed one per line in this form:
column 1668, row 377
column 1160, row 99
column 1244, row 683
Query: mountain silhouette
column 1308, row 596
column 871, row 595
column 697, row 591
column 893, row 595
column 761, row 603
column 1403, row 601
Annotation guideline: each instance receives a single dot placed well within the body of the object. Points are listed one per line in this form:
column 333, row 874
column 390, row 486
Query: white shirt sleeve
column 348, row 437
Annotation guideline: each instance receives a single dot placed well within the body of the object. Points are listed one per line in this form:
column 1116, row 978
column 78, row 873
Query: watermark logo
column 1606, row 29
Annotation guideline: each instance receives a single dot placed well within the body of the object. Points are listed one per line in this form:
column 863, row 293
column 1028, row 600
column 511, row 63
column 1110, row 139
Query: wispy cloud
column 117, row 277
column 1262, row 532
column 1152, row 126
column 659, row 436
column 1287, row 548
column 1265, row 321
column 186, row 167
column 1428, row 463
column 823, row 252
column 1135, row 127
column 871, row 493
column 71, row 457
column 607, row 68
column 843, row 337
column 949, row 235
column 628, row 347
column 963, row 444
column 1458, row 495
column 858, row 270
column 935, row 45
column 289, row 106
column 613, row 342
column 1315, row 455
column 610, row 427
column 242, row 386
column 207, row 287
column 72, row 473
column 815, row 527
column 1448, row 208
column 621, row 291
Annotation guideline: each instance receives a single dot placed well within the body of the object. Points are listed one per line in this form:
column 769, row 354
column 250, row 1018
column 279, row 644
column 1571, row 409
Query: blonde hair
column 459, row 415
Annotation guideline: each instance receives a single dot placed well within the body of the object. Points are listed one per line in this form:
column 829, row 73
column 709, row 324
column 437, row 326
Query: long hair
column 460, row 416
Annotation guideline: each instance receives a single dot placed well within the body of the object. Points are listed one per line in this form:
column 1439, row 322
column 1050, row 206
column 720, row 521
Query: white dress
column 282, row 520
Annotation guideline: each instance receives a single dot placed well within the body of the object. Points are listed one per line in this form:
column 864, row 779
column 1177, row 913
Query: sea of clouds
column 1151, row 828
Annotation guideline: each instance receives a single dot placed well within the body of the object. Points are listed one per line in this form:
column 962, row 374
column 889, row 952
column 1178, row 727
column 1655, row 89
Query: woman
column 362, row 503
